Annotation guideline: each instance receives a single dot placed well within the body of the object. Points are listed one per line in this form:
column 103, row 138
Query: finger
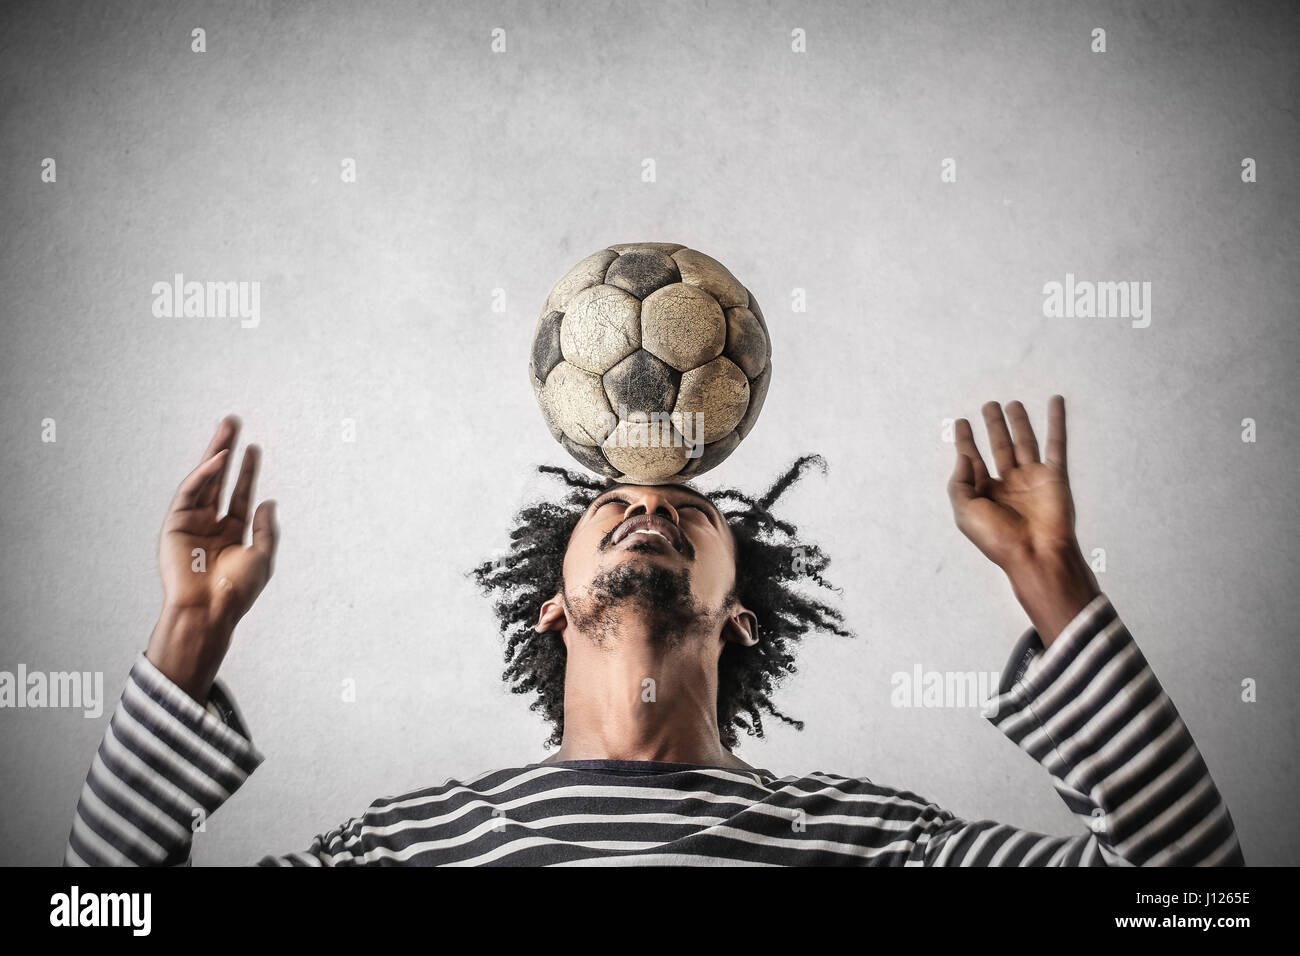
column 1004, row 455
column 227, row 429
column 188, row 494
column 1026, row 447
column 266, row 533
column 1056, row 432
column 244, row 484
column 961, row 484
column 965, row 440
column 227, row 432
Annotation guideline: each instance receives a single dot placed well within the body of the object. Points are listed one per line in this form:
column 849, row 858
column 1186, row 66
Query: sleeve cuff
column 1032, row 669
column 221, row 704
column 203, row 729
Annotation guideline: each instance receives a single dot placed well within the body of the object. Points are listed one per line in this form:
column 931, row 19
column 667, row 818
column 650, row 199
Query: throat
column 629, row 699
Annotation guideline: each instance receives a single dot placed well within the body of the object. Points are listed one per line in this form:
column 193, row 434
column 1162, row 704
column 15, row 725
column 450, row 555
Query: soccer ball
column 650, row 362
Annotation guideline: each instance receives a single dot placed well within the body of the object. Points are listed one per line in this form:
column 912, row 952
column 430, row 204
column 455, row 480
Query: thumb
column 961, row 484
column 266, row 533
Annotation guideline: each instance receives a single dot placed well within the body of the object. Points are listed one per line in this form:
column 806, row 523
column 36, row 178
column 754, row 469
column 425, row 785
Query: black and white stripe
column 1089, row 710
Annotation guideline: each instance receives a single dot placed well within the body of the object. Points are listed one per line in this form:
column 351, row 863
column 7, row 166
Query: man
column 651, row 625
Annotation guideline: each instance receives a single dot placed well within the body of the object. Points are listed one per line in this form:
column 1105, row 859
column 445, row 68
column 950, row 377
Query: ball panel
column 646, row 452
column 758, row 314
column 746, row 342
column 601, row 327
column 586, row 273
column 641, row 273
column 683, row 325
column 667, row 248
column 641, row 383
column 712, row 276
column 546, row 346
column 552, row 425
column 590, row 458
column 578, row 404
column 757, row 393
column 713, row 455
column 711, row 401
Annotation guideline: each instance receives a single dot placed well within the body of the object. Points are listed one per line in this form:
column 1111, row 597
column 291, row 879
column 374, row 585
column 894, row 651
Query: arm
column 163, row 768
column 1090, row 710
column 1077, row 694
column 165, row 765
column 166, row 762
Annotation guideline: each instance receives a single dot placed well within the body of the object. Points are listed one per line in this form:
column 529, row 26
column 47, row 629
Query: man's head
column 663, row 554
column 705, row 574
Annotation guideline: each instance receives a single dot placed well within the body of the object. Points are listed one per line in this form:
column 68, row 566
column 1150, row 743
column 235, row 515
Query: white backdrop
column 479, row 171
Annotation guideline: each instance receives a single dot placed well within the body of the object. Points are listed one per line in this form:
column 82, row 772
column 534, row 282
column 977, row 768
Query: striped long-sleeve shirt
column 1089, row 709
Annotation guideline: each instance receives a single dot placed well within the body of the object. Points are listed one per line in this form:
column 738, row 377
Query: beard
column 662, row 597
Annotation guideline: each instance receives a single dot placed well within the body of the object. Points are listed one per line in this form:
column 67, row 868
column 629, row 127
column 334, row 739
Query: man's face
column 661, row 551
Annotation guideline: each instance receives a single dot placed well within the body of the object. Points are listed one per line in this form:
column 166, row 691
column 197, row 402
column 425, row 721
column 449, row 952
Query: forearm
column 188, row 647
column 1053, row 585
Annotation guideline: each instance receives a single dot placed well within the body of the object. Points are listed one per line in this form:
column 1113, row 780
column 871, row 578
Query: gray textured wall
column 479, row 171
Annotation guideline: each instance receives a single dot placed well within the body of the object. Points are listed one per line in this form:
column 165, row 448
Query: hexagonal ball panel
column 758, row 314
column 757, row 393
column 746, row 341
column 712, row 276
column 645, row 452
column 601, row 328
column 667, row 248
column 577, row 403
column 683, row 325
column 590, row 271
column 711, row 401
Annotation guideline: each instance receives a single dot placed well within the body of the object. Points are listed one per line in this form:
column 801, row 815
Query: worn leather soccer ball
column 650, row 362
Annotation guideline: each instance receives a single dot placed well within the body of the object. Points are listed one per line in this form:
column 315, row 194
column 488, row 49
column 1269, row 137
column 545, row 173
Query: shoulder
column 510, row 781
column 847, row 790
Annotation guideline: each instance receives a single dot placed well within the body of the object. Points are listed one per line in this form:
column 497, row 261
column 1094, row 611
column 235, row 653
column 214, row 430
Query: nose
column 651, row 502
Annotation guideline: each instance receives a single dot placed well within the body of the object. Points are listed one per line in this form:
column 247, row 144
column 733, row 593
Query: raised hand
column 211, row 577
column 1023, row 520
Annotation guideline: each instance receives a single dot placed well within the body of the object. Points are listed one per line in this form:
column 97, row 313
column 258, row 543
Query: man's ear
column 552, row 617
column 741, row 627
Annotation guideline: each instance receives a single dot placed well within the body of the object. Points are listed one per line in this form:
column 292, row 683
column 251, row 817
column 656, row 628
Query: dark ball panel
column 758, row 314
column 590, row 457
column 546, row 345
column 757, row 393
column 640, row 273
column 746, row 342
column 715, row 452
column 642, row 383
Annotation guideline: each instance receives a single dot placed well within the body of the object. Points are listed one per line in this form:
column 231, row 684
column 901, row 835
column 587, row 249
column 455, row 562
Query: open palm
column 202, row 556
column 1028, row 508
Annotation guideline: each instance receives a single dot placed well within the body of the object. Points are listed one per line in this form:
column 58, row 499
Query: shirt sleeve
column 335, row 848
column 1090, row 710
column 165, row 764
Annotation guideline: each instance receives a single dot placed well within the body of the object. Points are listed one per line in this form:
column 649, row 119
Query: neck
column 626, row 697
